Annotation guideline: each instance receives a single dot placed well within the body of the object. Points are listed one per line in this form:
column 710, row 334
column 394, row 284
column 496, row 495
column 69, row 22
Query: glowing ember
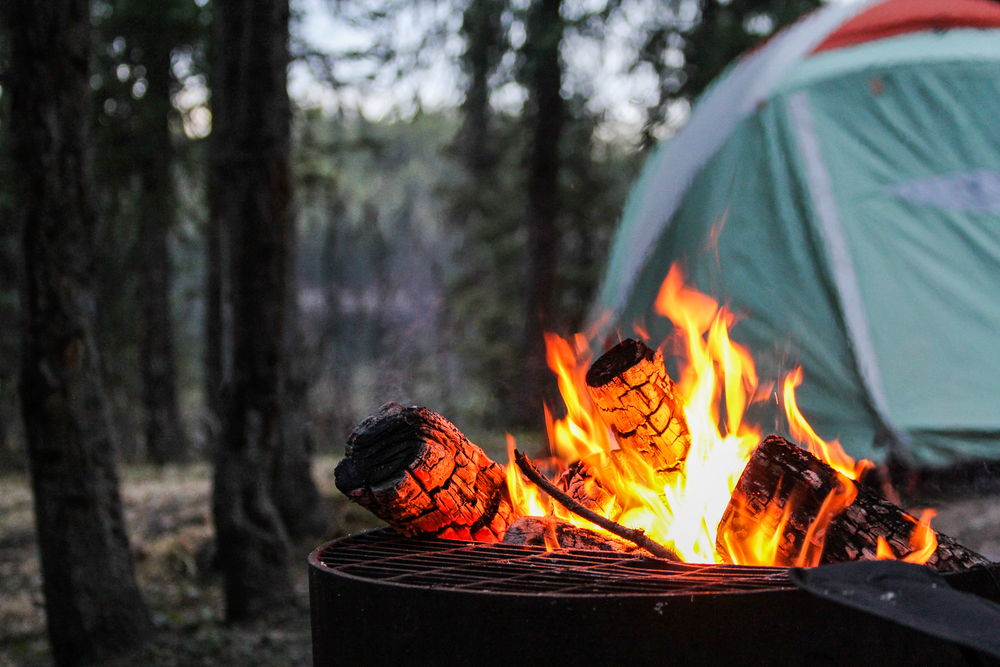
column 681, row 509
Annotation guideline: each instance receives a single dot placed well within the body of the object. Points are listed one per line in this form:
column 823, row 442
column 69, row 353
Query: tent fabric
column 897, row 17
column 847, row 211
column 673, row 165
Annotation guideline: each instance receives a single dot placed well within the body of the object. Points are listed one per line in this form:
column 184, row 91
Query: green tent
column 839, row 188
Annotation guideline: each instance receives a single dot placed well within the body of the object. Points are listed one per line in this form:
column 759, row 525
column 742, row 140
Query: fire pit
column 380, row 598
column 662, row 532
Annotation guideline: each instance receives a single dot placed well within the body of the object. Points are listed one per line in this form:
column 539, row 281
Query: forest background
column 456, row 172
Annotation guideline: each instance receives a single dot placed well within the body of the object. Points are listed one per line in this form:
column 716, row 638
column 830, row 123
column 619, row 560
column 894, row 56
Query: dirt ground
column 168, row 518
column 169, row 522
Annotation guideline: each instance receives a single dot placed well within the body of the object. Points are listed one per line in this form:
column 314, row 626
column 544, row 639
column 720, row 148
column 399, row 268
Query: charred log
column 634, row 535
column 784, row 488
column 414, row 470
column 637, row 399
column 579, row 483
column 537, row 531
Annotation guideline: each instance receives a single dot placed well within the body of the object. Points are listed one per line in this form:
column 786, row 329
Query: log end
column 617, row 360
column 415, row 470
column 380, row 449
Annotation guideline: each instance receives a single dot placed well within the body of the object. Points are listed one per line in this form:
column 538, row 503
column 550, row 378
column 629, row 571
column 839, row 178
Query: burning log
column 414, row 470
column 784, row 490
column 579, row 483
column 636, row 397
column 634, row 535
column 558, row 534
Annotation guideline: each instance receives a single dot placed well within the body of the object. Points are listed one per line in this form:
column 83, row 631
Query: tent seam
column 838, row 255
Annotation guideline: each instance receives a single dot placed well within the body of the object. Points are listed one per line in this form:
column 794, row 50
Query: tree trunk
column 165, row 438
column 483, row 31
column 216, row 304
column 93, row 605
column 252, row 195
column 543, row 77
column 294, row 490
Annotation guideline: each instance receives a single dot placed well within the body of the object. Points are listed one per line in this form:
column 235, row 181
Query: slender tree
column 92, row 602
column 11, row 449
column 541, row 72
column 252, row 192
column 485, row 44
column 136, row 42
column 165, row 437
column 293, row 489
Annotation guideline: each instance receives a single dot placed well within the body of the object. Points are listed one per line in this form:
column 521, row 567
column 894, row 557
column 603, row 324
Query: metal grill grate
column 385, row 556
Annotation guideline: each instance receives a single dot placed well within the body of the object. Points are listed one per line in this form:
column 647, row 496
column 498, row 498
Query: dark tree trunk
column 294, row 490
column 252, row 193
column 543, row 78
column 216, row 300
column 165, row 438
column 483, row 30
column 93, row 605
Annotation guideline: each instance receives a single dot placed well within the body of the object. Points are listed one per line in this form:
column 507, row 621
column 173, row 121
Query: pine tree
column 93, row 606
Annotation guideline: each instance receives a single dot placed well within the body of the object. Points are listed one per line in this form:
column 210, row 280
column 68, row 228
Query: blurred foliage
column 411, row 230
column 689, row 43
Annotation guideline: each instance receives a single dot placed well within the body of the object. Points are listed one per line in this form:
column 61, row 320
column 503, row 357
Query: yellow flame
column 682, row 510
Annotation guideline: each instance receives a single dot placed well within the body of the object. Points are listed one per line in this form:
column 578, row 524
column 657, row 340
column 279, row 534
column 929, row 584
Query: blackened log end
column 381, row 448
column 617, row 360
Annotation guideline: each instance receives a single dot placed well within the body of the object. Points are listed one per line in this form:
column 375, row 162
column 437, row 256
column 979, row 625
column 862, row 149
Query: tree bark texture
column 542, row 75
column 293, row 488
column 640, row 403
column 252, row 197
column 93, row 605
column 413, row 469
column 784, row 486
column 165, row 437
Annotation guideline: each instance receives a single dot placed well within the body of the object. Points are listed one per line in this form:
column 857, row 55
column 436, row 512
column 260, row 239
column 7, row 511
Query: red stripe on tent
column 897, row 17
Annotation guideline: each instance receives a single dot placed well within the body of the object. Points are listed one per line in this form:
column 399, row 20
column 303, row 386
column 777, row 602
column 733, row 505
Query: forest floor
column 169, row 521
column 168, row 514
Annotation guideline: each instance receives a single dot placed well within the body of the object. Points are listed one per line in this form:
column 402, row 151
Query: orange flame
column 682, row 510
column 835, row 502
column 923, row 542
column 830, row 452
column 525, row 496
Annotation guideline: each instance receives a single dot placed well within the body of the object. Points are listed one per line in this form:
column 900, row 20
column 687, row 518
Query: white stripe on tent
column 839, row 255
column 671, row 170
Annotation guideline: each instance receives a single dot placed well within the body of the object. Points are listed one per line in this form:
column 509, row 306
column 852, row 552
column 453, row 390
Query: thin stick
column 633, row 535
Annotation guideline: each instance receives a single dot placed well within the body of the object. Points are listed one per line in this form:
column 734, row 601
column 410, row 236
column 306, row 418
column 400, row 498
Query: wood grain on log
column 413, row 469
column 783, row 482
column 638, row 400
column 579, row 483
column 533, row 530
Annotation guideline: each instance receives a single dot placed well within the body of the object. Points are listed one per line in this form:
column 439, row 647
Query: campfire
column 640, row 463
